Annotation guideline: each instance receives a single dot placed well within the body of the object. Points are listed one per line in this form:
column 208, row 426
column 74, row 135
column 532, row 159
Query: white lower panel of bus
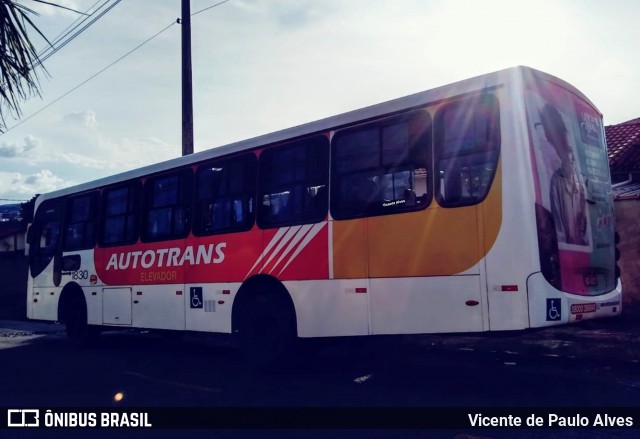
column 387, row 306
column 43, row 303
column 116, row 306
column 152, row 306
column 329, row 308
column 194, row 307
column 324, row 308
column 426, row 305
column 208, row 306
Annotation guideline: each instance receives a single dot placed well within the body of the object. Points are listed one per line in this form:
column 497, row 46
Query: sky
column 264, row 65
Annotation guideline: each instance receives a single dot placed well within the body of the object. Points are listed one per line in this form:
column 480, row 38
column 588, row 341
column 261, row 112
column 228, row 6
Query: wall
column 12, row 243
column 13, row 285
column 628, row 226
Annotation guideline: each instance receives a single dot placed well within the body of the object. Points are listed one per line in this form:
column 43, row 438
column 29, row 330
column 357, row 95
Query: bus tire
column 266, row 331
column 79, row 333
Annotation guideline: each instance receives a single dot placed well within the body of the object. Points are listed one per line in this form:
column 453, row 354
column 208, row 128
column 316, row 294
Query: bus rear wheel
column 266, row 332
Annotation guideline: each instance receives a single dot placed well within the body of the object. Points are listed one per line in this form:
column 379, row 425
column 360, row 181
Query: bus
column 484, row 205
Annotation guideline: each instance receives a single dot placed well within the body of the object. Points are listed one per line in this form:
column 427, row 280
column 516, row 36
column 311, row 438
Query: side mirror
column 28, row 239
column 29, row 234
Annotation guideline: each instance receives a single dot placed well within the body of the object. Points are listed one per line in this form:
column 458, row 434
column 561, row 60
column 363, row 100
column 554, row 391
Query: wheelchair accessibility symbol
column 554, row 310
column 195, row 294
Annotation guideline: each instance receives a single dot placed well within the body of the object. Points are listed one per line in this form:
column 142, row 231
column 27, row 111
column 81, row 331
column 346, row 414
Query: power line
column 59, row 6
column 209, row 7
column 90, row 78
column 64, row 32
column 110, row 65
column 76, row 23
column 59, row 45
column 49, row 51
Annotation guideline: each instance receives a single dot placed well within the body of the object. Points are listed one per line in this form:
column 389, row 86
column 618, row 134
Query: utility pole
column 187, row 92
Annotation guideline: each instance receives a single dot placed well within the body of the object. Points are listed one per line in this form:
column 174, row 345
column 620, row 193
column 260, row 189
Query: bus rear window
column 466, row 150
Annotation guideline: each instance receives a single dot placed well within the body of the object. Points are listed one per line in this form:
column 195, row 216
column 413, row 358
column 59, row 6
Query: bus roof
column 413, row 101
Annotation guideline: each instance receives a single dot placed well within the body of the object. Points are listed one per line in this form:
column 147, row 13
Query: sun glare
column 504, row 32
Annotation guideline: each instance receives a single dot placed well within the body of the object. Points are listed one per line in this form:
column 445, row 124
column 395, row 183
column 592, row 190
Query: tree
column 27, row 208
column 18, row 59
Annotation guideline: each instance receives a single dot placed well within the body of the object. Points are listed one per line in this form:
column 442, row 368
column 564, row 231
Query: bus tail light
column 617, row 255
column 591, row 280
column 509, row 288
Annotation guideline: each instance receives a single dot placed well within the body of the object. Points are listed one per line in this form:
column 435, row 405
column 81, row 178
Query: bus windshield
column 574, row 207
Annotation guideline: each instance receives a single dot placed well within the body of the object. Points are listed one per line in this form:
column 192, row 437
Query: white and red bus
column 484, row 205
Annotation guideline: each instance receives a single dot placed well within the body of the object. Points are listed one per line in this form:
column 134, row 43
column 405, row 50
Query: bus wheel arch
column 264, row 321
column 72, row 311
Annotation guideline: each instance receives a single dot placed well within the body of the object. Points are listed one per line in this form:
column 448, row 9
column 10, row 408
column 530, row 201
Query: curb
column 615, row 340
column 608, row 340
column 12, row 327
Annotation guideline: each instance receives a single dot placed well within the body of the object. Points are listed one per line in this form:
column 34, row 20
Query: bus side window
column 121, row 215
column 467, row 147
column 167, row 203
column 81, row 216
column 224, row 196
column 47, row 227
column 49, row 237
column 381, row 168
column 292, row 181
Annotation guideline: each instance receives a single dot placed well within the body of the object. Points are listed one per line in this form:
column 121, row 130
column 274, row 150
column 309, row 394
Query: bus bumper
column 549, row 307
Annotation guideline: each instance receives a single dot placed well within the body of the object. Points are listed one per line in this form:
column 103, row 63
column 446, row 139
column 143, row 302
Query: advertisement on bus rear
column 574, row 206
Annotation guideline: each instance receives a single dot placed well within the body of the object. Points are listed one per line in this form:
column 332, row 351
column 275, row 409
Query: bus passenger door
column 45, row 252
column 45, row 261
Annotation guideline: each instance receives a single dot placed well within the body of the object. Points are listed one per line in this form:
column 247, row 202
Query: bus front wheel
column 79, row 332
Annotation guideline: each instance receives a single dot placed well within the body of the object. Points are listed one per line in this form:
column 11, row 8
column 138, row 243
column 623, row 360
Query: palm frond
column 18, row 78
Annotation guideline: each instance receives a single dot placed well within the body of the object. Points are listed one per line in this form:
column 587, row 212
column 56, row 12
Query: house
column 13, row 270
column 12, row 228
column 13, row 262
column 12, row 236
column 623, row 144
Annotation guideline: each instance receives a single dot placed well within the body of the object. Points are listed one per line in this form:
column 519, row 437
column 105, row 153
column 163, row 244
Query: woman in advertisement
column 567, row 192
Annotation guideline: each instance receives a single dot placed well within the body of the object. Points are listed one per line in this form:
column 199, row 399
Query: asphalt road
column 150, row 370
